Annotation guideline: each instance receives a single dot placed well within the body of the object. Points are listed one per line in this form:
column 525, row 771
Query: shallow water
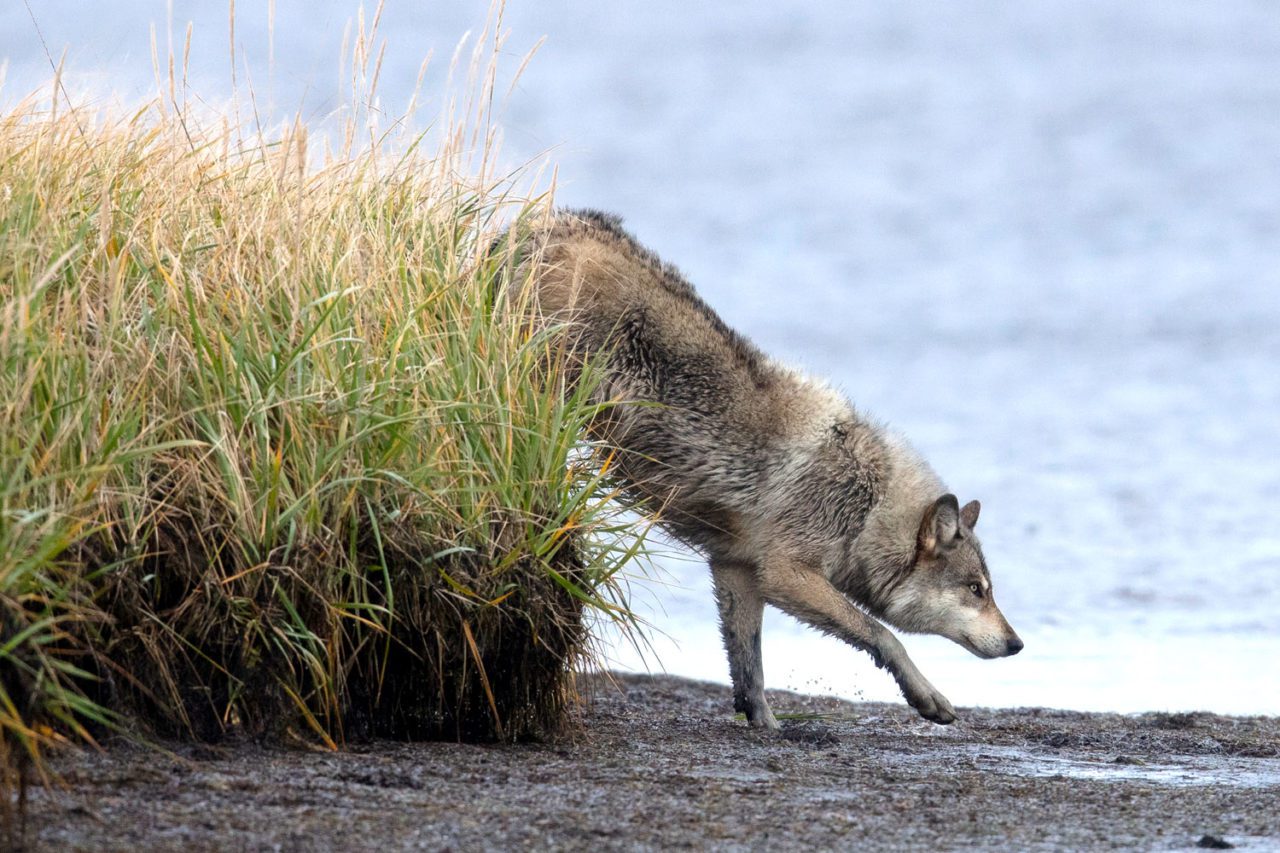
column 1232, row 771
column 1040, row 239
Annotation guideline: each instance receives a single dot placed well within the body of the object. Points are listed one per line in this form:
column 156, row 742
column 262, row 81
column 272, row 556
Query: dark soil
column 660, row 763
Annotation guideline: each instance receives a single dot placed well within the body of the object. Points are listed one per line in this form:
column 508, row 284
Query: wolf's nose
column 1014, row 646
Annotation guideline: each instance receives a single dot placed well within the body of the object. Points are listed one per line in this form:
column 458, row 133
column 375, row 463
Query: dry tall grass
column 270, row 457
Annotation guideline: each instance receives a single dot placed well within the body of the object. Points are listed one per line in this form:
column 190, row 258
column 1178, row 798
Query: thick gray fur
column 796, row 499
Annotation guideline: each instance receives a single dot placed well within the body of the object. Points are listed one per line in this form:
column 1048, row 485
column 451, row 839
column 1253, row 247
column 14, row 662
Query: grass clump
column 274, row 456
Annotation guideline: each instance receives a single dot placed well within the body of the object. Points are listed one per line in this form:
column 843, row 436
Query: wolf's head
column 947, row 590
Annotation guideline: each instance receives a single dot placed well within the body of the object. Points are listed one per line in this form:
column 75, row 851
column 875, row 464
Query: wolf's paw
column 763, row 719
column 932, row 705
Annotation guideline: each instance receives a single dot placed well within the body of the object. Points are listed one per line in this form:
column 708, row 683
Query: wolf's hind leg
column 741, row 612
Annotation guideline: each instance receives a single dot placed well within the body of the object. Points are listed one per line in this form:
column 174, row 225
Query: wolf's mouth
column 976, row 649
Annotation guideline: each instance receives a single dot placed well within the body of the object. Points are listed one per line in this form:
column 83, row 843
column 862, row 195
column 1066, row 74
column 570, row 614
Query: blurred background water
column 1040, row 239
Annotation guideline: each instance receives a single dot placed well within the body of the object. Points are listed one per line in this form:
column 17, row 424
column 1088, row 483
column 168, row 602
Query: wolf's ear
column 969, row 514
column 940, row 525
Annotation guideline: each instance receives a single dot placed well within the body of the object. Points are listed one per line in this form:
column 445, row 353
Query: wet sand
column 659, row 762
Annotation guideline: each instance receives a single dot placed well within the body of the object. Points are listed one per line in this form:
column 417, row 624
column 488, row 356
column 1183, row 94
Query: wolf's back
column 709, row 399
column 591, row 273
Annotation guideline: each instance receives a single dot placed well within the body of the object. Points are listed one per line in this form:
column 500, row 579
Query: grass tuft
column 274, row 456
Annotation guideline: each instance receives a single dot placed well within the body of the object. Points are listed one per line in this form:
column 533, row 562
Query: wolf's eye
column 976, row 589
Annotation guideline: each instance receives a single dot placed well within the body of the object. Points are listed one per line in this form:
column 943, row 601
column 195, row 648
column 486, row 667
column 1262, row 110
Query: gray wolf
column 796, row 499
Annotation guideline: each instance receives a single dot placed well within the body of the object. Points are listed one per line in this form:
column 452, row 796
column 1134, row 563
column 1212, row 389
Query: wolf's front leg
column 741, row 611
column 807, row 595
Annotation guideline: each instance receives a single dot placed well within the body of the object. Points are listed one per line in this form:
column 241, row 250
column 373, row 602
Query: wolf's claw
column 942, row 713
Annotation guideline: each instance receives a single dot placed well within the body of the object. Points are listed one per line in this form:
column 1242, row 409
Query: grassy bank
column 273, row 456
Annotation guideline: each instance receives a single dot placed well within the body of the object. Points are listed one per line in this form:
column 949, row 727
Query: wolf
column 795, row 497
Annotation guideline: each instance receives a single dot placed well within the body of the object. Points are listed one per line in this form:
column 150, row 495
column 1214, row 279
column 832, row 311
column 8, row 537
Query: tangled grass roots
column 178, row 659
column 272, row 460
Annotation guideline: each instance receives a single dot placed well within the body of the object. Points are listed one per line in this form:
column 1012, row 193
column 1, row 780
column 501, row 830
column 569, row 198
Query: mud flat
column 657, row 762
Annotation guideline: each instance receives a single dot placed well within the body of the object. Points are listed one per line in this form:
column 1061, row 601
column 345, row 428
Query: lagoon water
column 1040, row 239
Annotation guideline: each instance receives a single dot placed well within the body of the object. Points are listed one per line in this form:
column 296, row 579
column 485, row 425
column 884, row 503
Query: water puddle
column 1234, row 772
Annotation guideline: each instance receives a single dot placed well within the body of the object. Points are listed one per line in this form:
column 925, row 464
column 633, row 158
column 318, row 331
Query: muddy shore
column 660, row 763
